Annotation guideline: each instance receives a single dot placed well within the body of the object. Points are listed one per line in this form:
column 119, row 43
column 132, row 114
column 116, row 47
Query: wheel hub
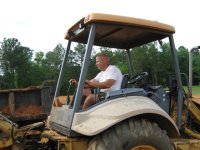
column 143, row 147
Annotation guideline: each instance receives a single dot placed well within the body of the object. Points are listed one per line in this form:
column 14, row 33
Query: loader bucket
column 27, row 104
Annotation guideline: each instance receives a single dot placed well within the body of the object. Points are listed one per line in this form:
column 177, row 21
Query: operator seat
column 125, row 79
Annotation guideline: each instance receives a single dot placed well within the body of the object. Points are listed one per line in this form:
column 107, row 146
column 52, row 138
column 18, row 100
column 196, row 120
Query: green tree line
column 21, row 67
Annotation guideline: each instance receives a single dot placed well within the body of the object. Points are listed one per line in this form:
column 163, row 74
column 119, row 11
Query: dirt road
column 196, row 98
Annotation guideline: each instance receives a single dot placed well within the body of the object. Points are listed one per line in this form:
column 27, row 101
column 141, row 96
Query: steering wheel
column 137, row 78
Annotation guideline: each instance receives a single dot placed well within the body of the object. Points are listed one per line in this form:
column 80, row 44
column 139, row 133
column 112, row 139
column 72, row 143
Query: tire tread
column 127, row 134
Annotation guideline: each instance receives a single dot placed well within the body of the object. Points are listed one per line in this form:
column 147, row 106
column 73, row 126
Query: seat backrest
column 125, row 79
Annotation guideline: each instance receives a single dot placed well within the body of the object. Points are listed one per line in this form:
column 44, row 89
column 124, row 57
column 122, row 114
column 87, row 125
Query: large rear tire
column 132, row 135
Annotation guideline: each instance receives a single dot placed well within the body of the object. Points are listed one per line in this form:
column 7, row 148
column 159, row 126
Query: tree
column 47, row 66
column 183, row 57
column 53, row 61
column 165, row 63
column 18, row 69
column 7, row 62
column 152, row 65
column 119, row 59
column 39, row 58
column 23, row 56
column 196, row 68
column 72, row 70
column 139, row 58
column 15, row 61
column 78, row 55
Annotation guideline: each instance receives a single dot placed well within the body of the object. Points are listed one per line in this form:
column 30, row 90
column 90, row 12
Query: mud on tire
column 131, row 134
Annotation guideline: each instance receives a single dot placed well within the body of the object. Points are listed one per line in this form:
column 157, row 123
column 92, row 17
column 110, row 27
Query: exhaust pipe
column 193, row 50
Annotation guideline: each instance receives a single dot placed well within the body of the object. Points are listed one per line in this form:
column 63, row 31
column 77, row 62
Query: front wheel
column 132, row 135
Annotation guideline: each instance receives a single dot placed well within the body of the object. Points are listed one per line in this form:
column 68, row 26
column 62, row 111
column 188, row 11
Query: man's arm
column 95, row 84
column 102, row 85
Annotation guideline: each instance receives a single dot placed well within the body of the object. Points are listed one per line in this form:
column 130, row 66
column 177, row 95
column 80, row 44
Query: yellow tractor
column 134, row 117
column 138, row 116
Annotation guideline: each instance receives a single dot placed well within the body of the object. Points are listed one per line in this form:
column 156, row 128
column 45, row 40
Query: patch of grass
column 196, row 89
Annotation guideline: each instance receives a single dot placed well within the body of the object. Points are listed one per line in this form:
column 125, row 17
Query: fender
column 97, row 119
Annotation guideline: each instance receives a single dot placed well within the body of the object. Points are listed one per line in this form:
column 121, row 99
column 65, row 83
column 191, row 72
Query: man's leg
column 61, row 100
column 87, row 92
column 88, row 101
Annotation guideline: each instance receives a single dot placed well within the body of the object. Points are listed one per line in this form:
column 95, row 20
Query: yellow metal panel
column 121, row 20
column 68, row 143
column 132, row 21
column 118, row 31
column 5, row 142
column 194, row 110
column 186, row 144
column 71, row 144
column 5, row 129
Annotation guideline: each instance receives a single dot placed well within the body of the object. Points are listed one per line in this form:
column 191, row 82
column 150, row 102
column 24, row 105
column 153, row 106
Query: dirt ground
column 196, row 99
column 197, row 96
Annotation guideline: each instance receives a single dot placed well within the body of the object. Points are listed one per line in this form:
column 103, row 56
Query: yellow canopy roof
column 118, row 31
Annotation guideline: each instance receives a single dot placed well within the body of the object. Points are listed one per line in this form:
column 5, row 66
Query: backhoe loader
column 139, row 115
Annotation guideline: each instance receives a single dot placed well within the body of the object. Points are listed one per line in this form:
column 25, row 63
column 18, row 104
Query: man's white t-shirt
column 112, row 72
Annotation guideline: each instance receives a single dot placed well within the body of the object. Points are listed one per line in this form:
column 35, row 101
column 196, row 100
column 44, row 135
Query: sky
column 41, row 24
